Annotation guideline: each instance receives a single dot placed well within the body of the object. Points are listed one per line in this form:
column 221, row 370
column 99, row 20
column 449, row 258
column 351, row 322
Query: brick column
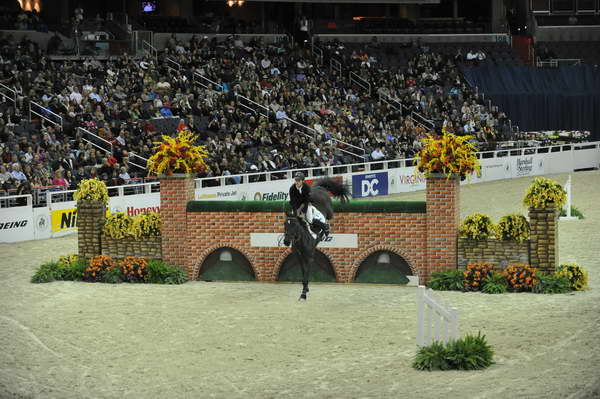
column 90, row 221
column 175, row 192
column 442, row 224
column 543, row 250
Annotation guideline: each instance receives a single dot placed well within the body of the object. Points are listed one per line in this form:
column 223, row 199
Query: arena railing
column 338, row 143
column 335, row 64
column 8, row 93
column 424, row 123
column 172, row 64
column 138, row 161
column 13, row 201
column 201, row 80
column 318, row 54
column 54, row 197
column 96, row 140
column 358, row 80
column 253, row 106
column 315, row 172
column 150, row 49
column 378, row 166
column 45, row 114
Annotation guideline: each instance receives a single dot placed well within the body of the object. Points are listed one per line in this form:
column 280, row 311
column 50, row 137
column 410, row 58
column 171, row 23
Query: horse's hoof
column 302, row 298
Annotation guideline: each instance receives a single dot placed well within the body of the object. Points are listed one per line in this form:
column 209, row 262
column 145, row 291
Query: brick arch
column 204, row 254
column 283, row 256
column 369, row 251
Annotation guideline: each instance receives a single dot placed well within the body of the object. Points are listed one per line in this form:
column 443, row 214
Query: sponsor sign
column 218, row 195
column 134, row 211
column 16, row 224
column 276, row 240
column 42, row 224
column 370, row 185
column 63, row 220
column 529, row 165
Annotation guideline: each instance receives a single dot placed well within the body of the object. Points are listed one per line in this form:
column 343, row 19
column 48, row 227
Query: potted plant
column 448, row 155
column 178, row 155
column 545, row 193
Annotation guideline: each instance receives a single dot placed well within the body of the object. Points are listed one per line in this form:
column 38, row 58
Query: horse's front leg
column 306, row 267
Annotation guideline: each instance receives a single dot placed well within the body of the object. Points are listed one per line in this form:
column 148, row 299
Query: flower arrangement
column 544, row 193
column 577, row 275
column 178, row 155
column 91, row 190
column 120, row 225
column 147, row 224
column 475, row 275
column 97, row 267
column 450, row 155
column 520, row 277
column 513, row 227
column 67, row 260
column 477, row 226
column 134, row 269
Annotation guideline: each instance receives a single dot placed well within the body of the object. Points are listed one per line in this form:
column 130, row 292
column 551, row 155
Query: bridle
column 292, row 237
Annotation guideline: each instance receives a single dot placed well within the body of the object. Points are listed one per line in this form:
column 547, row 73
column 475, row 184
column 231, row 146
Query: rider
column 300, row 201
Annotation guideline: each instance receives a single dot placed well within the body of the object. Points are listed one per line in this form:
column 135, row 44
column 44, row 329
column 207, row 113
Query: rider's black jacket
column 299, row 199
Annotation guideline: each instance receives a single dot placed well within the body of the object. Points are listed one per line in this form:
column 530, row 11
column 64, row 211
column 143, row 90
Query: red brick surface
column 427, row 242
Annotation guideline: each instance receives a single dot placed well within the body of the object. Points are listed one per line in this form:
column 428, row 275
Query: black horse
column 297, row 231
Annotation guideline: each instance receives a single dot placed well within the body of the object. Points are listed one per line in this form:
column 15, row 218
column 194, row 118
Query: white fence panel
column 436, row 319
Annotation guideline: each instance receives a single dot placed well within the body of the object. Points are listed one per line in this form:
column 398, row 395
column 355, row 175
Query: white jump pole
column 567, row 206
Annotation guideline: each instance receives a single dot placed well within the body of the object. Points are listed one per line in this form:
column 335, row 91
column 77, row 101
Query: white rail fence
column 567, row 206
column 436, row 319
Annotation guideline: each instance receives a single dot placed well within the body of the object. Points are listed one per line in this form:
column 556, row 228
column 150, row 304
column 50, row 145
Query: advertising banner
column 404, row 180
column 16, row 224
column 41, row 223
column 527, row 165
column 276, row 240
column 370, row 185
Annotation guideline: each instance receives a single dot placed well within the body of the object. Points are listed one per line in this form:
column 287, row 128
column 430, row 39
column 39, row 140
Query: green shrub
column 446, row 280
column 495, row 283
column 112, row 275
column 513, row 227
column 574, row 212
column 467, row 353
column 48, row 272
column 75, row 270
column 477, row 227
column 551, row 283
column 577, row 275
column 161, row 273
column 432, row 357
column 470, row 353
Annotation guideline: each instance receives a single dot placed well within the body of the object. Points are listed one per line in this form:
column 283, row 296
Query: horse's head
column 292, row 229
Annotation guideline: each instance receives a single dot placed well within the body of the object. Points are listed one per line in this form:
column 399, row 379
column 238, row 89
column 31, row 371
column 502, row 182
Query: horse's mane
column 319, row 195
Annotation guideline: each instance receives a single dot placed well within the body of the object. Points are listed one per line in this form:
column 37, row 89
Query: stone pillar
column 442, row 223
column 543, row 250
column 90, row 221
column 175, row 192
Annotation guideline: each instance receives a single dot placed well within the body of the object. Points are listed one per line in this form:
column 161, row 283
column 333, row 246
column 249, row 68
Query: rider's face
column 299, row 184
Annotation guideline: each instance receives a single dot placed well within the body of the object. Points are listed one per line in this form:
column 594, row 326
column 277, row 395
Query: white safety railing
column 359, row 81
column 251, row 105
column 555, row 63
column 207, row 83
column 138, row 160
column 96, row 141
column 148, row 47
column 8, row 93
column 45, row 114
column 172, row 64
column 318, row 55
column 436, row 319
column 335, row 65
column 13, row 201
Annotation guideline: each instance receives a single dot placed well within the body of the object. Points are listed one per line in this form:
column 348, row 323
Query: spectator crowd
column 256, row 106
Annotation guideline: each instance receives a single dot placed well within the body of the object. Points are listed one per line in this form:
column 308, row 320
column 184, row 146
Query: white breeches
column 313, row 213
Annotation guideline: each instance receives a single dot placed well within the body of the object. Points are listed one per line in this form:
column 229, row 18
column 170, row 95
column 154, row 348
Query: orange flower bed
column 475, row 274
column 97, row 266
column 134, row 269
column 520, row 277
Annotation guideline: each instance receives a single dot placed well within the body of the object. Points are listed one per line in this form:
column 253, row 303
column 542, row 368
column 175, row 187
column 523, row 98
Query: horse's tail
column 336, row 188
